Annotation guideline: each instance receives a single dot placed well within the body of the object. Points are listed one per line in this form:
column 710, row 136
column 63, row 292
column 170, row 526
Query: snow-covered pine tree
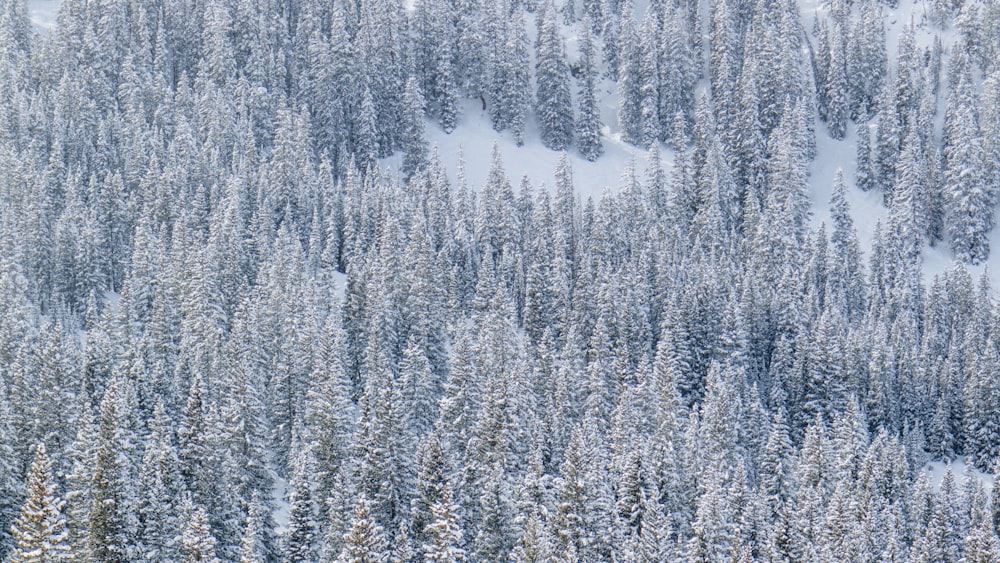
column 444, row 534
column 110, row 534
column 300, row 539
column 970, row 199
column 837, row 93
column 159, row 524
column 553, row 100
column 40, row 531
column 411, row 135
column 866, row 61
column 588, row 125
column 198, row 542
column 365, row 542
column 866, row 178
column 885, row 152
column 253, row 546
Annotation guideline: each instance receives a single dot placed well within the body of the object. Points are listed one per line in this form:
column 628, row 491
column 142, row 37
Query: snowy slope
column 935, row 472
column 474, row 140
column 473, row 144
column 43, row 13
column 867, row 208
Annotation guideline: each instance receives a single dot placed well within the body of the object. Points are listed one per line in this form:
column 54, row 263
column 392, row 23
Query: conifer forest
column 512, row 281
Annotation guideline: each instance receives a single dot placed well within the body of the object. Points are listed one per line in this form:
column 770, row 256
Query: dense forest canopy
column 248, row 315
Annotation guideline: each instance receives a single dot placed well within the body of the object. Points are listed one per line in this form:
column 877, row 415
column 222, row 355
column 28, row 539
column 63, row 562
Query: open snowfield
column 43, row 13
column 936, row 469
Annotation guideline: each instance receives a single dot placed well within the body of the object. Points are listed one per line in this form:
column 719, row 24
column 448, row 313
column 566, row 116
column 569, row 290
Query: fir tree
column 509, row 78
column 444, row 533
column 109, row 537
column 837, row 95
column 300, row 538
column 364, row 543
column 553, row 102
column 199, row 544
column 253, row 548
column 588, row 135
column 970, row 199
column 412, row 130
column 40, row 531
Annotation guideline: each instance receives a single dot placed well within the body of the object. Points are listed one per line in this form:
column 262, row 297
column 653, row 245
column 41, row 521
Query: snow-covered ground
column 867, row 208
column 473, row 142
column 935, row 471
column 43, row 13
column 339, row 285
column 279, row 494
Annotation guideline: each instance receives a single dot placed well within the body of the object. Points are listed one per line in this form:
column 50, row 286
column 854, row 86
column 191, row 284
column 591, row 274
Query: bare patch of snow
column 960, row 469
column 43, row 13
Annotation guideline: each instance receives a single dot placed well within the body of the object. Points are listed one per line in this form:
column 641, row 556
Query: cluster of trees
column 938, row 185
column 227, row 335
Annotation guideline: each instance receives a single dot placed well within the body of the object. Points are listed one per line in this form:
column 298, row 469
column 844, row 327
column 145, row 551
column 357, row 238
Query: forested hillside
column 267, row 294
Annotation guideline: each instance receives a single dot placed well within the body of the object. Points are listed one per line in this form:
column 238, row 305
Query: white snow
column 867, row 208
column 279, row 496
column 960, row 469
column 43, row 13
column 339, row 285
column 472, row 143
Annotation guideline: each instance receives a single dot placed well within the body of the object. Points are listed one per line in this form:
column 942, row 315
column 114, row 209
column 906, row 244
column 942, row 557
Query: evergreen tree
column 845, row 273
column 509, row 79
column 431, row 482
column 160, row 481
column 553, row 102
column 970, row 198
column 837, row 94
column 588, row 133
column 364, row 543
column 630, row 82
column 412, row 130
column 109, row 527
column 328, row 405
column 40, row 532
column 535, row 545
column 867, row 64
column 887, row 141
column 443, row 532
column 866, row 178
column 300, row 538
column 982, row 432
column 253, row 548
column 10, row 482
column 199, row 544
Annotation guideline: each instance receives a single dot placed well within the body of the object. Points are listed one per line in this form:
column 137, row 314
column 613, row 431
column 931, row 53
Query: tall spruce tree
column 553, row 100
column 40, row 532
column 588, row 125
